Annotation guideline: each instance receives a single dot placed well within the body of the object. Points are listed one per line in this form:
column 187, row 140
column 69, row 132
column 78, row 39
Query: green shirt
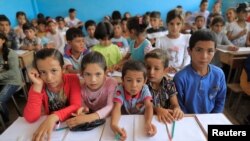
column 12, row 75
column 111, row 53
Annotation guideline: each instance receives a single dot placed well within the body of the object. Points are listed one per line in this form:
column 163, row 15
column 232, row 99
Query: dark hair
column 73, row 33
column 242, row 7
column 40, row 16
column 134, row 65
column 59, row 18
column 93, row 57
column 172, row 14
column 178, row 6
column 116, row 15
column 5, row 51
column 4, row 18
column 217, row 19
column 28, row 26
column 198, row 17
column 48, row 52
column 201, row 35
column 20, row 13
column 116, row 23
column 41, row 21
column 139, row 24
column 89, row 23
column 155, row 14
column 203, row 1
column 158, row 54
column 71, row 10
column 104, row 30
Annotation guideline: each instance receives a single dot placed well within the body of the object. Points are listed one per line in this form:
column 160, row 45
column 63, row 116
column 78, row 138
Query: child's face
column 155, row 22
column 242, row 16
column 200, row 22
column 230, row 15
column 117, row 31
column 30, row 34
column 175, row 26
column 105, row 42
column 91, row 31
column 204, row 6
column 202, row 54
column 94, row 76
column 155, row 70
column 124, row 25
column 77, row 44
column 21, row 19
column 217, row 28
column 41, row 28
column 4, row 27
column 50, row 71
column 133, row 82
column 61, row 24
column 52, row 27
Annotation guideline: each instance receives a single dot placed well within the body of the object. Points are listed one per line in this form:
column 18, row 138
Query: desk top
column 241, row 51
column 186, row 129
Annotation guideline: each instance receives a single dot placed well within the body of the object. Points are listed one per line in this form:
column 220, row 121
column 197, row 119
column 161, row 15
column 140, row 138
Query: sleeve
column 148, row 47
column 105, row 111
column 179, row 86
column 221, row 96
column 74, row 98
column 13, row 66
column 125, row 43
column 67, row 62
column 33, row 108
column 158, row 43
column 186, row 59
column 146, row 94
column 118, row 95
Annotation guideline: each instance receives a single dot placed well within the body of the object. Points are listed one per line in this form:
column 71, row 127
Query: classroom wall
column 10, row 7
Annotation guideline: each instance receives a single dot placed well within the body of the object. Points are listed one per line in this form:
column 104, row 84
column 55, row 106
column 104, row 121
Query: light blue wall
column 10, row 7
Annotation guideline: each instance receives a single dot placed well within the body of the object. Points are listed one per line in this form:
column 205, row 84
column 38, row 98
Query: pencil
column 173, row 127
column 169, row 136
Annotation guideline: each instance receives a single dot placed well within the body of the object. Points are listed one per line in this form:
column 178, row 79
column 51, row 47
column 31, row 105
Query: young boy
column 162, row 88
column 30, row 42
column 74, row 54
column 132, row 97
column 199, row 24
column 72, row 21
column 90, row 40
column 156, row 31
column 62, row 28
column 201, row 86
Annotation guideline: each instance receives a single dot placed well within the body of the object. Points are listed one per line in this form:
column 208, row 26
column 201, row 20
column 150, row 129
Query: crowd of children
column 141, row 47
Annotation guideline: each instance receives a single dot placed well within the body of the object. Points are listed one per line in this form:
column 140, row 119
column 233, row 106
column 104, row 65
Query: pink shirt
column 100, row 101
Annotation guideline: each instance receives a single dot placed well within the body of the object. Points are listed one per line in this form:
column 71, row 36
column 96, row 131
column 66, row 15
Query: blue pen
column 59, row 129
column 117, row 137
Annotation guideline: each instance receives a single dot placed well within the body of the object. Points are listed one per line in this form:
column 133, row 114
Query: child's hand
column 177, row 113
column 35, row 77
column 119, row 131
column 165, row 115
column 150, row 129
column 232, row 48
column 45, row 129
column 79, row 119
column 81, row 111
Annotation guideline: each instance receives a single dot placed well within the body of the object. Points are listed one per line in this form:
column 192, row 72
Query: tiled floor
column 235, row 118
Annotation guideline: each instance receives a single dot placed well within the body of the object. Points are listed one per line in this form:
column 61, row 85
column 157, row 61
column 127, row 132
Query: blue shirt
column 132, row 105
column 201, row 94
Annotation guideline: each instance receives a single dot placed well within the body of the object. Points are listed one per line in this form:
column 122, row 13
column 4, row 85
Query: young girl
column 175, row 44
column 57, row 93
column 132, row 97
column 97, row 90
column 104, row 32
column 162, row 88
column 10, row 78
column 21, row 19
column 139, row 45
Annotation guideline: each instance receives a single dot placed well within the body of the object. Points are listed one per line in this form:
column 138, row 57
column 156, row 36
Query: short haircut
column 116, row 15
column 139, row 24
column 201, row 35
column 28, row 26
column 218, row 19
column 203, row 1
column 155, row 14
column 20, row 13
column 93, row 58
column 158, row 54
column 41, row 21
column 116, row 23
column 59, row 18
column 199, row 17
column 48, row 52
column 134, row 65
column 4, row 18
column 89, row 23
column 73, row 33
column 71, row 10
column 40, row 16
column 172, row 14
column 104, row 30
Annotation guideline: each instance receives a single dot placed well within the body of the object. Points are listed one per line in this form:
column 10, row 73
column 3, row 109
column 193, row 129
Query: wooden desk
column 234, row 59
column 25, row 58
column 187, row 129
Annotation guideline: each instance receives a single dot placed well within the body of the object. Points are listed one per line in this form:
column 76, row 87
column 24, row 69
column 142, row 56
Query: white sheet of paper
column 115, row 74
column 20, row 52
column 21, row 130
column 92, row 135
column 244, row 49
column 215, row 119
column 126, row 122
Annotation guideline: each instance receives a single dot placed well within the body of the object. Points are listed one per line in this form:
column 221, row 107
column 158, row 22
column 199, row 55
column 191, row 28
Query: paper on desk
column 215, row 119
column 21, row 130
column 92, row 135
column 115, row 73
column 126, row 122
column 20, row 52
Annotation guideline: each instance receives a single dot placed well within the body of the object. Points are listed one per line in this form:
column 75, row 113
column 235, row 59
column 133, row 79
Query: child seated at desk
column 97, row 90
column 201, row 86
column 163, row 89
column 55, row 93
column 132, row 97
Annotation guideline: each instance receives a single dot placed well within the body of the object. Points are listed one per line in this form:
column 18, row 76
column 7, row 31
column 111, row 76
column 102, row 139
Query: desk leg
column 229, row 75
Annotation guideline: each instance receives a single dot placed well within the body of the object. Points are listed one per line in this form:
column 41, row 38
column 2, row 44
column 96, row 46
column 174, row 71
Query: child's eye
column 128, row 80
column 98, row 74
column 211, row 51
column 198, row 49
column 138, row 81
column 41, row 72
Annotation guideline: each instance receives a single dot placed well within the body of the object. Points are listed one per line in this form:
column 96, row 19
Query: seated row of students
column 201, row 88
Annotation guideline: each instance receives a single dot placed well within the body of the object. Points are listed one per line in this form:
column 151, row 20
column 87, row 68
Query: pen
column 173, row 127
column 59, row 129
column 169, row 136
column 117, row 137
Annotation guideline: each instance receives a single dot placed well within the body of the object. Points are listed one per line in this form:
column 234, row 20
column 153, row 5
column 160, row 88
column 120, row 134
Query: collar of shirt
column 129, row 97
